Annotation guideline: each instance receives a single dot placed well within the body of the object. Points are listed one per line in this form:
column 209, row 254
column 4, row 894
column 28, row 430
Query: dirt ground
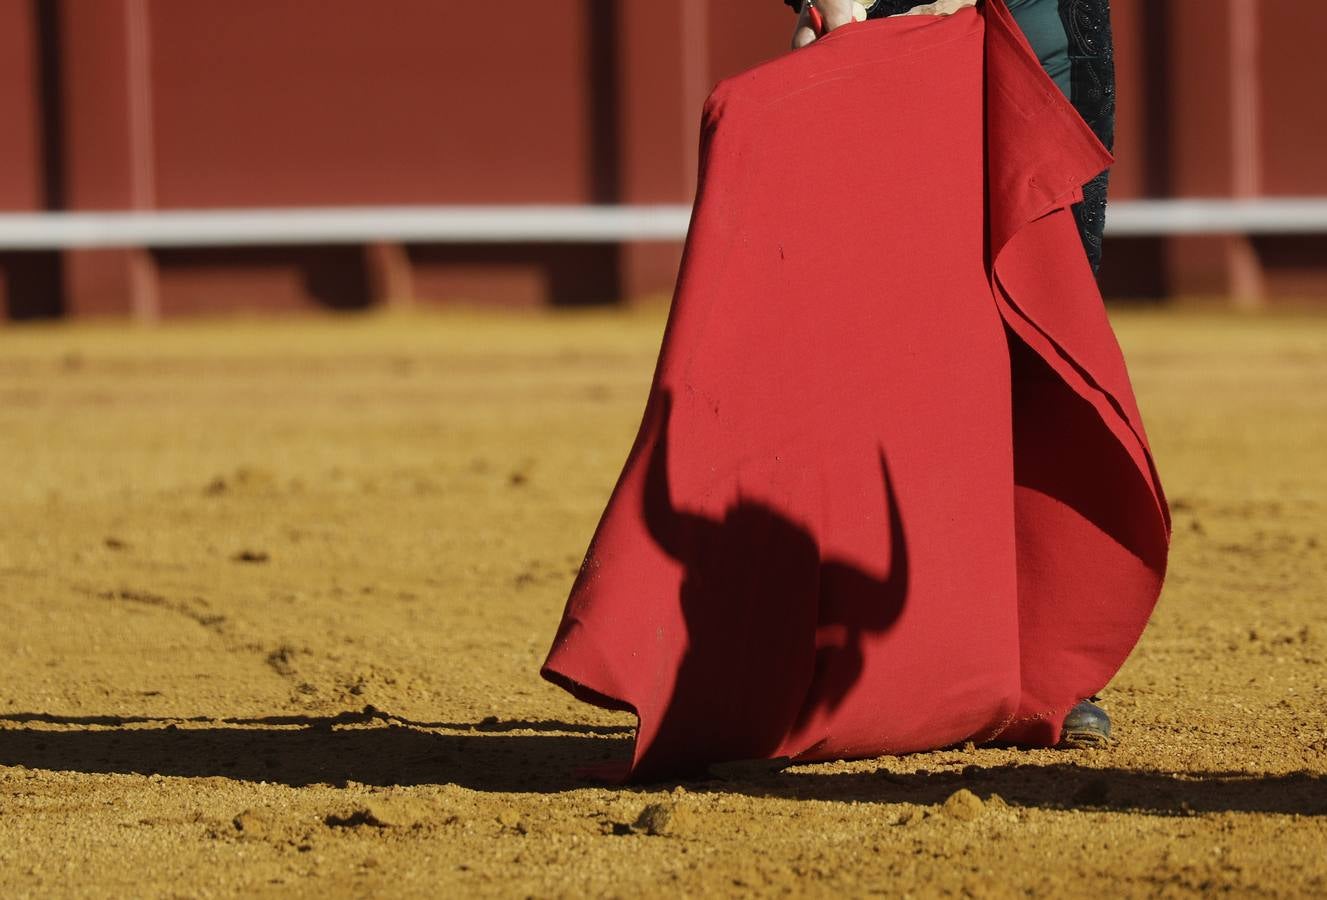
column 275, row 594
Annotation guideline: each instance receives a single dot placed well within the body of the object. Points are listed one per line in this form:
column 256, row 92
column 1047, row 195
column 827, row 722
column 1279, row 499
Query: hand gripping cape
column 891, row 491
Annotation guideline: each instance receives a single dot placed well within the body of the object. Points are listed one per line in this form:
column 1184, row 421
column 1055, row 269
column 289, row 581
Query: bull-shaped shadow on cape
column 774, row 630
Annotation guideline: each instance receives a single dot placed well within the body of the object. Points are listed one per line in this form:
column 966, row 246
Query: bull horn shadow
column 756, row 597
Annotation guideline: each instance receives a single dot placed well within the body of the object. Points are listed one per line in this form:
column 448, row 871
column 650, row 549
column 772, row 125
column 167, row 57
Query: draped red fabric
column 891, row 491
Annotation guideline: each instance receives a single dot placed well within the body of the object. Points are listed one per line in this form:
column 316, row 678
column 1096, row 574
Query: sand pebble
column 963, row 806
column 659, row 819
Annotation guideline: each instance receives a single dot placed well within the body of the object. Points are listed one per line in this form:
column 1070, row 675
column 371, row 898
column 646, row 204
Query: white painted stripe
column 1307, row 215
column 548, row 224
column 345, row 225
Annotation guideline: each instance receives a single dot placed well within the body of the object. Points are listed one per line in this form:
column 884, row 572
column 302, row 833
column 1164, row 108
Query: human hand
column 834, row 13
column 940, row 8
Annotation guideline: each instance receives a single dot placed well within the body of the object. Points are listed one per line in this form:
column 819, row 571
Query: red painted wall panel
column 657, row 127
column 271, row 102
column 20, row 141
column 745, row 33
column 229, row 279
column 1294, row 130
column 104, row 164
column 518, row 274
column 1196, row 70
column 196, row 103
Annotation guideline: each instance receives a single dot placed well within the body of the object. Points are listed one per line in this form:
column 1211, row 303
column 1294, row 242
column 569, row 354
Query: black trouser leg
column 1072, row 38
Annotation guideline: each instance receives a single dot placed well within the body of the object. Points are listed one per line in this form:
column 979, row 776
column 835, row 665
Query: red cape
column 891, row 491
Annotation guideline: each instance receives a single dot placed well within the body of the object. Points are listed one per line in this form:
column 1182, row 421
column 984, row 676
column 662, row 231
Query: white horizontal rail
column 547, row 224
column 346, row 225
column 1144, row 218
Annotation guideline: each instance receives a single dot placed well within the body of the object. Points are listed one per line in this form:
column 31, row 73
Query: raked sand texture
column 275, row 595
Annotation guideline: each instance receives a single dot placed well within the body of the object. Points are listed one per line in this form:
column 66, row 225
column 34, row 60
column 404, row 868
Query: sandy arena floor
column 274, row 598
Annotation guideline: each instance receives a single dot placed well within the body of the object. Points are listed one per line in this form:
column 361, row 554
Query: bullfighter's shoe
column 1087, row 725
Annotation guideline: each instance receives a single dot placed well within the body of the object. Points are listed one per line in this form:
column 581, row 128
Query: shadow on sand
column 543, row 757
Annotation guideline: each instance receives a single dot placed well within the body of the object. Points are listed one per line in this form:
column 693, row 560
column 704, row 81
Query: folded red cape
column 891, row 491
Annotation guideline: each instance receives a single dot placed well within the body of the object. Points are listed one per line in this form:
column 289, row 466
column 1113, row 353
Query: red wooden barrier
column 171, row 104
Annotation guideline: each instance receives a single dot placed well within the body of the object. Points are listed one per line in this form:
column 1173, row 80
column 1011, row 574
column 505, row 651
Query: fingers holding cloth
column 823, row 16
column 820, row 17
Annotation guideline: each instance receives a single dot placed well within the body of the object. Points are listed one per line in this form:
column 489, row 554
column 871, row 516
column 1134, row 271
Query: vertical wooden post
column 695, row 55
column 390, row 275
column 144, row 291
column 1248, row 286
column 105, row 56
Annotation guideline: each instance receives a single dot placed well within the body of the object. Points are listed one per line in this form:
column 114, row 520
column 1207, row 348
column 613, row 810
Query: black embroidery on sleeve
column 1092, row 58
